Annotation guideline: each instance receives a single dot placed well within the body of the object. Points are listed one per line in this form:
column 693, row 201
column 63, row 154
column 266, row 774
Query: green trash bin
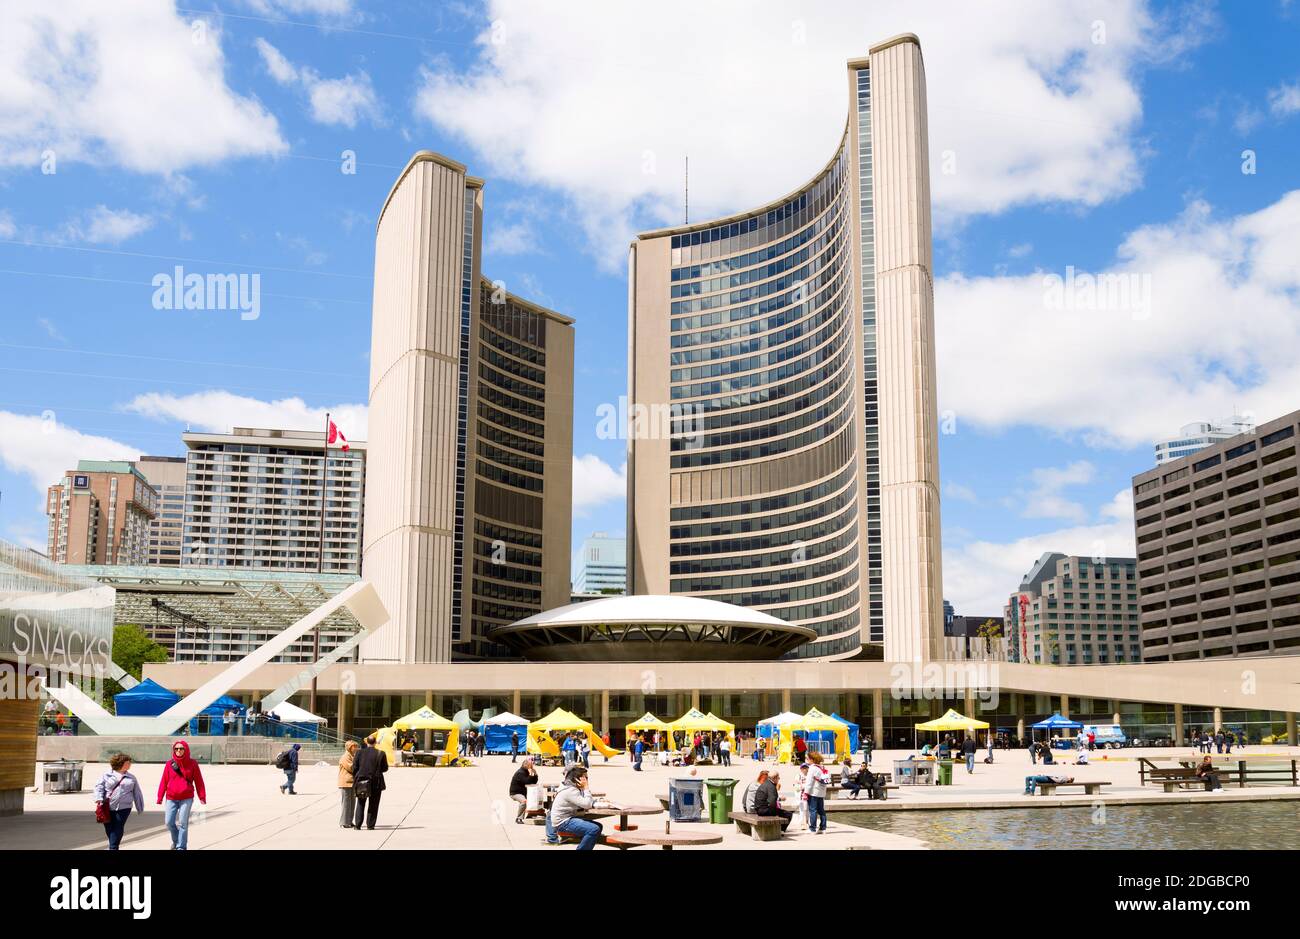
column 945, row 773
column 720, row 799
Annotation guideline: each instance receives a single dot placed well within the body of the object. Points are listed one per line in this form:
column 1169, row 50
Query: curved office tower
column 470, row 461
column 792, row 349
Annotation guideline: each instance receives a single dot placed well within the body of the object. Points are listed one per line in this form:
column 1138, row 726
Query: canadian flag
column 336, row 435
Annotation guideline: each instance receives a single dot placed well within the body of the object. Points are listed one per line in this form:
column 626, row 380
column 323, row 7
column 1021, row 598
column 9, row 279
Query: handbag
column 104, row 814
column 361, row 787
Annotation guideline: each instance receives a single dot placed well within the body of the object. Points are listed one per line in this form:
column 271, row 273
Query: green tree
column 132, row 647
column 989, row 630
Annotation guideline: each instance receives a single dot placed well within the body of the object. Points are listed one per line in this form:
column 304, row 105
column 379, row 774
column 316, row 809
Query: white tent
column 292, row 714
column 505, row 717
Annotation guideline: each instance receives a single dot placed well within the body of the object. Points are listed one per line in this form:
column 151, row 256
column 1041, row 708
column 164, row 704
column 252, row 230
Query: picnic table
column 622, row 812
column 423, row 757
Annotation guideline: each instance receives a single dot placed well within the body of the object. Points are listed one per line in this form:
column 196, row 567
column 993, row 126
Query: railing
column 1243, row 773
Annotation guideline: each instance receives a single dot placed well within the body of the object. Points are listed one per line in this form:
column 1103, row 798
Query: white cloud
column 42, row 449
column 517, row 238
column 1284, row 100
column 102, row 226
column 132, row 84
column 595, row 483
column 219, row 411
column 1030, row 107
column 7, row 227
column 979, row 576
column 323, row 9
column 959, row 492
column 342, row 101
column 1220, row 327
column 1046, row 499
column 1020, row 250
column 50, row 328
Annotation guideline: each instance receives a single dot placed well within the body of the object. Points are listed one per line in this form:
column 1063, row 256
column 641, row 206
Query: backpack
column 282, row 761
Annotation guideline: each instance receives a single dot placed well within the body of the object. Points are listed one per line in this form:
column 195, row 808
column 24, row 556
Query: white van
column 1109, row 736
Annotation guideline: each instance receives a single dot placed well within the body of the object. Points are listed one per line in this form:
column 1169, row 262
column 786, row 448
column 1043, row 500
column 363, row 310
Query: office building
column 167, row 530
column 1218, row 544
column 792, row 349
column 253, row 499
column 101, row 513
column 1193, row 438
column 1073, row 610
column 469, row 488
column 602, row 565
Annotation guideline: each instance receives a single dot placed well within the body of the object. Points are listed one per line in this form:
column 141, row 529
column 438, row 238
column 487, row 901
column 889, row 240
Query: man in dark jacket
column 291, row 771
column 514, row 745
column 368, row 768
column 968, row 751
column 767, row 801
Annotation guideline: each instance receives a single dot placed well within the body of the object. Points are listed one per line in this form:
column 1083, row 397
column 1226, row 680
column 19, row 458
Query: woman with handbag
column 346, row 792
column 115, row 793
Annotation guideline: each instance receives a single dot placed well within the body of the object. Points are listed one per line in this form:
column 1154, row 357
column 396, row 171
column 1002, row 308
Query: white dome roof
column 649, row 608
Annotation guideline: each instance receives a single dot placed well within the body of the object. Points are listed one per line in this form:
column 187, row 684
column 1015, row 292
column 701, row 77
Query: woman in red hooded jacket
column 181, row 778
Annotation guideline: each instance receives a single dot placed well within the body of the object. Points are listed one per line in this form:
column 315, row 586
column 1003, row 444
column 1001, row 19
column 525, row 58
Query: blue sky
column 1110, row 138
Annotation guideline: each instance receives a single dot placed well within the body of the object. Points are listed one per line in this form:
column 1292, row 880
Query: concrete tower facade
column 468, row 487
column 792, row 347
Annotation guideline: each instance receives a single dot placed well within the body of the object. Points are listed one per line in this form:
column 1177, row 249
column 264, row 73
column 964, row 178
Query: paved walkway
column 468, row 807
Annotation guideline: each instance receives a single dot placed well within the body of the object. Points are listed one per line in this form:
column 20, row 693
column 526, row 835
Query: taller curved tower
column 790, row 350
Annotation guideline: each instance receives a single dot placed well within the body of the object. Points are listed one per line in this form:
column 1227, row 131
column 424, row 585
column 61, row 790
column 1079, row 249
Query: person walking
column 523, row 777
column 815, row 783
column 1033, row 751
column 118, row 791
column 288, row 761
column 570, row 802
column 968, row 751
column 368, row 768
column 514, row 745
column 570, row 750
column 867, row 746
column 638, row 748
column 181, row 780
column 724, row 750
column 346, row 793
column 990, row 739
column 584, row 748
column 800, row 748
column 1228, row 740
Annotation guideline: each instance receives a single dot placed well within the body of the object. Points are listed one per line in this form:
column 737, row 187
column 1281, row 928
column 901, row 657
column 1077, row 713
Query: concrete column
column 695, row 697
column 515, row 705
column 340, row 722
column 878, row 717
column 970, row 703
column 604, row 711
column 1178, row 724
column 785, row 699
column 1218, row 720
column 1290, row 729
column 1065, row 705
column 428, row 734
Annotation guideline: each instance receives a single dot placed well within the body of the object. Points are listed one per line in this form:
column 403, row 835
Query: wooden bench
column 758, row 827
column 1089, row 788
column 665, row 840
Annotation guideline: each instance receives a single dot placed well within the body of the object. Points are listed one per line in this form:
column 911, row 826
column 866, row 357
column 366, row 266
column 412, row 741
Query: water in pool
column 1199, row 826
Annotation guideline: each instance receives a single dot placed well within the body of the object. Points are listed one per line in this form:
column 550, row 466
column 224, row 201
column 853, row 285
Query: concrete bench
column 758, row 827
column 1089, row 788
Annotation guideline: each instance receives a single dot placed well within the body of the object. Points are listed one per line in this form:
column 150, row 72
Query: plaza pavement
column 468, row 807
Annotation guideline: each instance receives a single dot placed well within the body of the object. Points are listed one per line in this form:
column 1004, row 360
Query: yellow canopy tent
column 951, row 721
column 814, row 721
column 539, row 733
column 647, row 722
column 694, row 720
column 428, row 719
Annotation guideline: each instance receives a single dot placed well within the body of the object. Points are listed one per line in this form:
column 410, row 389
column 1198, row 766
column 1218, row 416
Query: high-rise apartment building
column 602, row 565
column 1218, row 544
column 469, row 486
column 167, row 530
column 101, row 513
column 1193, row 438
column 253, row 499
column 1073, row 610
column 794, row 348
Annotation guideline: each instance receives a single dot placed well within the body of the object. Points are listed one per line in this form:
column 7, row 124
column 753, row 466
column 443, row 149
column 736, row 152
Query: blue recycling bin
column 685, row 799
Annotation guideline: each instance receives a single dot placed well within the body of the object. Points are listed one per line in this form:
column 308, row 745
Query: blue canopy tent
column 498, row 729
column 1056, row 722
column 147, row 699
column 853, row 731
column 211, row 721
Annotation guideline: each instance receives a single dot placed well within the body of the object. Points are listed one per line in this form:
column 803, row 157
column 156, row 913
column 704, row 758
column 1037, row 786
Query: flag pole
column 320, row 553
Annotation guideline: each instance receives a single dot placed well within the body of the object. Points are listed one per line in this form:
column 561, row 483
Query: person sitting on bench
column 849, row 778
column 767, row 802
column 1205, row 771
column 1032, row 782
column 874, row 783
